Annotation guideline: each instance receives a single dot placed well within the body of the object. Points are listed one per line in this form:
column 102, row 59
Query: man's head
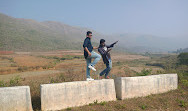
column 102, row 42
column 89, row 34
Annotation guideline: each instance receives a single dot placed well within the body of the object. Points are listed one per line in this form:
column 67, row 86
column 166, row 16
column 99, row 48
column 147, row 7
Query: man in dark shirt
column 89, row 54
column 104, row 50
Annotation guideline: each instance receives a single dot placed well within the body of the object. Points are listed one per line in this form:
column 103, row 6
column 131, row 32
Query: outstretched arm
column 112, row 45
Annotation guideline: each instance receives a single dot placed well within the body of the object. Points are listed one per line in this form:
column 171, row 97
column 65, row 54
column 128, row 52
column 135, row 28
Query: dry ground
column 35, row 68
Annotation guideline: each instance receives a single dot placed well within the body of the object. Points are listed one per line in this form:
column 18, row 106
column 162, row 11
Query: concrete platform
column 59, row 96
column 15, row 98
column 130, row 87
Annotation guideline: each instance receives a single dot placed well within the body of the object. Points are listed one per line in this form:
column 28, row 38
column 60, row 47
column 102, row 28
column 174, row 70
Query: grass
column 120, row 106
column 144, row 72
column 152, row 102
column 12, row 82
column 65, row 57
column 182, row 103
column 172, row 100
column 165, row 101
column 69, row 109
column 102, row 103
column 143, row 107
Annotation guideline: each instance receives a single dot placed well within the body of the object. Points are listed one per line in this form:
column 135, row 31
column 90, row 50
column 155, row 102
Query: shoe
column 89, row 79
column 91, row 67
column 107, row 77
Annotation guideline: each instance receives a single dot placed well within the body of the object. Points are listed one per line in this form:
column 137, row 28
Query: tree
column 183, row 58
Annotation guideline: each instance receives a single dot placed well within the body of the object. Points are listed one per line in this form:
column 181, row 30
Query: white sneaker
column 91, row 67
column 89, row 79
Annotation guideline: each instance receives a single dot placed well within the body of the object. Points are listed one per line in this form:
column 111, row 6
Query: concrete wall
column 15, row 98
column 69, row 94
column 130, row 87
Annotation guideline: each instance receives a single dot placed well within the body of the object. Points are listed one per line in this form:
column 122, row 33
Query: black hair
column 102, row 41
column 88, row 32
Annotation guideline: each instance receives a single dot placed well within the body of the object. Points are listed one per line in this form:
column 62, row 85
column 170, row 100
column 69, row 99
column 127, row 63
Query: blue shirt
column 87, row 43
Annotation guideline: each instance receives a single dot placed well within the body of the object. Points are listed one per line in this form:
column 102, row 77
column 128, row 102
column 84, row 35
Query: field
column 35, row 68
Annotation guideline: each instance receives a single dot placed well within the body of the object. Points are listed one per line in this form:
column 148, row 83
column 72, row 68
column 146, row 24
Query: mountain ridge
column 20, row 34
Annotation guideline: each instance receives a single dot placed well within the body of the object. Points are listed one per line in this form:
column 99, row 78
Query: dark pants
column 107, row 70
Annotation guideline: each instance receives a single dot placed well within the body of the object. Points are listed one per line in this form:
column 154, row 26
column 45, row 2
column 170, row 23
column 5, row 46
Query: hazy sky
column 156, row 17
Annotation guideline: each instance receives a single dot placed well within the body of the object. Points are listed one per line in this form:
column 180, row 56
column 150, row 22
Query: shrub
column 52, row 80
column 183, row 58
column 3, row 84
column 182, row 103
column 24, row 68
column 15, row 81
column 12, row 82
column 102, row 103
column 95, row 102
column 155, row 64
column 144, row 72
column 143, row 107
column 69, row 108
column 13, row 65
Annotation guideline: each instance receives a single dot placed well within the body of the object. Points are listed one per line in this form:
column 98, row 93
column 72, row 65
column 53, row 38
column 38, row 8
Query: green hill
column 19, row 34
column 29, row 35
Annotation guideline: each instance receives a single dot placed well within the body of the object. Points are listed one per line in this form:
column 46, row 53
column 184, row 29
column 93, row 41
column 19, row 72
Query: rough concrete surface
column 15, row 98
column 130, row 87
column 70, row 94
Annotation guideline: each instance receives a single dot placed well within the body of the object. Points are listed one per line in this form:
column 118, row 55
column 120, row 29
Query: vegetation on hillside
column 29, row 35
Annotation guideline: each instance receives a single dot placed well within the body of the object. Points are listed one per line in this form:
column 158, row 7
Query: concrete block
column 59, row 96
column 130, row 87
column 15, row 98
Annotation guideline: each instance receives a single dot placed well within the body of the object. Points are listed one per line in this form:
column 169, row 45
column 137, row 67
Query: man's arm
column 109, row 50
column 86, row 49
column 112, row 45
column 95, row 47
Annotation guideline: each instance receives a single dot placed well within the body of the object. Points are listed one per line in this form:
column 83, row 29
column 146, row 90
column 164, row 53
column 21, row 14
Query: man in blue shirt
column 89, row 54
